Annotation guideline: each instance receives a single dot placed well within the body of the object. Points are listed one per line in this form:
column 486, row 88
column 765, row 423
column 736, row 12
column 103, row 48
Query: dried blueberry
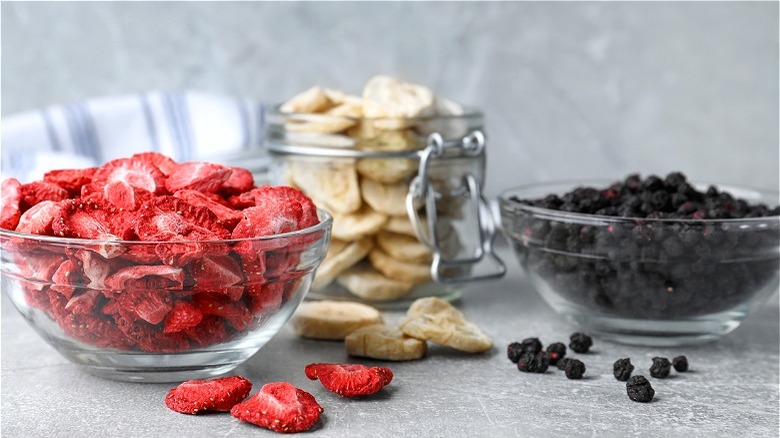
column 531, row 345
column 639, row 389
column 580, row 342
column 514, row 351
column 660, row 368
column 622, row 369
column 555, row 352
column 574, row 369
column 533, row 363
column 680, row 364
column 561, row 365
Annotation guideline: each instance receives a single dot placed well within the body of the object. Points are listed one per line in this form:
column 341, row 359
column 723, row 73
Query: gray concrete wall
column 570, row 89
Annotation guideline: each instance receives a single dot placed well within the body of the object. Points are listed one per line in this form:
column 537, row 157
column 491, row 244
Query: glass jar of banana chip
column 410, row 219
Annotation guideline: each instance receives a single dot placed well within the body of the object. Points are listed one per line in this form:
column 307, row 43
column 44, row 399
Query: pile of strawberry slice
column 183, row 281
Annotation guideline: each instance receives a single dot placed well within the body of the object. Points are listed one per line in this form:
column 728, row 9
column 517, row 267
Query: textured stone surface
column 731, row 390
column 570, row 90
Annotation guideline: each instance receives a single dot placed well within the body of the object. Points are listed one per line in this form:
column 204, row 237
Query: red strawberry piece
column 349, row 380
column 152, row 339
column 95, row 268
column 10, row 204
column 86, row 219
column 137, row 173
column 239, row 181
column 211, row 330
column 273, row 197
column 84, row 303
column 95, row 330
column 39, row 191
column 218, row 274
column 150, row 305
column 121, row 279
column 38, row 219
column 259, row 221
column 168, row 218
column 70, row 179
column 226, row 216
column 183, row 316
column 124, row 196
column 38, row 268
column 67, row 278
column 265, row 298
column 281, row 407
column 234, row 312
column 194, row 396
column 201, row 176
column 162, row 162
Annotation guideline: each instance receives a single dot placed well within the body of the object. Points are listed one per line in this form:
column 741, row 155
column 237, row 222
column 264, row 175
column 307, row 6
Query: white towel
column 187, row 126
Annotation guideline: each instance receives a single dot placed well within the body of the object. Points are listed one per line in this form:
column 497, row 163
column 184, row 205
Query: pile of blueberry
column 628, row 263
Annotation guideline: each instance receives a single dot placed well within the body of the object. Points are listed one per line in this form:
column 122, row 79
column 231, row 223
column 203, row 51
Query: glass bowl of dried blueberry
column 653, row 261
column 149, row 270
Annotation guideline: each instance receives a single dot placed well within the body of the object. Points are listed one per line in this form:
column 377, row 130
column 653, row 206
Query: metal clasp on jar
column 446, row 267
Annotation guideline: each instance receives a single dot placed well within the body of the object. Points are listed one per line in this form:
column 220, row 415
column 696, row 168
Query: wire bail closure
column 421, row 192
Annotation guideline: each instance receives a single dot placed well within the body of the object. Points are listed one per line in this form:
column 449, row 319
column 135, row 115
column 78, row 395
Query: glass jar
column 410, row 219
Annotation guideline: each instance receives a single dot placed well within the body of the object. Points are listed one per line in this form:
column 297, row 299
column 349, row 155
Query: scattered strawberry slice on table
column 197, row 396
column 281, row 407
column 350, row 380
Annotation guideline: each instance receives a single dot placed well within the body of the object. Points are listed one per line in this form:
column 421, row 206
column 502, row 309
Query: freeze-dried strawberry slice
column 137, row 173
column 226, row 216
column 38, row 268
column 211, row 330
column 126, row 277
column 88, row 219
column 39, row 191
column 38, row 219
column 217, row 274
column 94, row 330
column 183, row 316
column 197, row 396
column 95, row 268
column 281, row 407
column 264, row 298
column 84, row 303
column 168, row 218
column 197, row 175
column 150, row 305
column 10, row 205
column 70, row 179
column 271, row 198
column 239, row 181
column 349, row 380
column 234, row 312
column 259, row 221
column 67, row 278
column 162, row 162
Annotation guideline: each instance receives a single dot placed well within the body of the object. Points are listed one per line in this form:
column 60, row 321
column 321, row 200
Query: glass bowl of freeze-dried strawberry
column 655, row 261
column 145, row 269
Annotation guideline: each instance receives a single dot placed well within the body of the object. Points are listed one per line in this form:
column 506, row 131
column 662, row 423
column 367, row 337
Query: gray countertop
column 732, row 389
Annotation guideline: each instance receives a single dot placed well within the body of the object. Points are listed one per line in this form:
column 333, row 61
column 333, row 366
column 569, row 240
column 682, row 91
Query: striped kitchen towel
column 186, row 126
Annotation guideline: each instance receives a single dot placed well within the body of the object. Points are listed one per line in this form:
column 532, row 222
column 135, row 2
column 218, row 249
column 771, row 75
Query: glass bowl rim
column 513, row 206
column 326, row 220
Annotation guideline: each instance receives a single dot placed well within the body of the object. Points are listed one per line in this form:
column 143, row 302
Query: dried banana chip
column 369, row 284
column 340, row 257
column 335, row 183
column 394, row 100
column 403, row 247
column 384, row 342
column 389, row 199
column 355, row 225
column 399, row 270
column 332, row 320
column 310, row 101
column 436, row 320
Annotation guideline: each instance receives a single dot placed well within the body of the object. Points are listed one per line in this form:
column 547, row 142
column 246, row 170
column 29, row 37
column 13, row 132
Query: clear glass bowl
column 643, row 281
column 111, row 307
